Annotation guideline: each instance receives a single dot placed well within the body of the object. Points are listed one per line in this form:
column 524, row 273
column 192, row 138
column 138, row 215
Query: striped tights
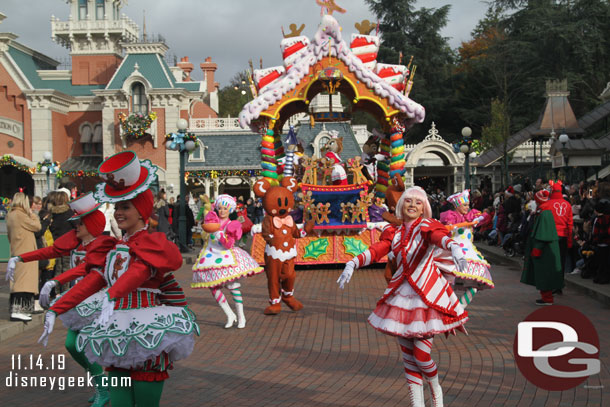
column 417, row 360
column 235, row 292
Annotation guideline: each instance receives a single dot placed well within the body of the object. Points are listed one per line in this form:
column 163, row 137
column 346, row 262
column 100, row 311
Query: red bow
column 278, row 222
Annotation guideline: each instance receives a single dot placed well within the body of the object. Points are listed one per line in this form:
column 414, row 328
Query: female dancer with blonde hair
column 418, row 302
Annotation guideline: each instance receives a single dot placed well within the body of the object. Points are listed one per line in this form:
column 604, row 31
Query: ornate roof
column 294, row 86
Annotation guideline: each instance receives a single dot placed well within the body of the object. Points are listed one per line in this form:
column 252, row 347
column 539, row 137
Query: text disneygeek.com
column 17, row 380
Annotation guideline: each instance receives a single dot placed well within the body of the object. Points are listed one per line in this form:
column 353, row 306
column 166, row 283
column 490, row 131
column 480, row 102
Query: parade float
column 335, row 193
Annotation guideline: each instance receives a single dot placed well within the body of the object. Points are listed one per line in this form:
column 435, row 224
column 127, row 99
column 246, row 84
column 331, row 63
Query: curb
column 8, row 328
column 575, row 282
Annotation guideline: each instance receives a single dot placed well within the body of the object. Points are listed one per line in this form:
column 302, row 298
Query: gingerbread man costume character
column 280, row 232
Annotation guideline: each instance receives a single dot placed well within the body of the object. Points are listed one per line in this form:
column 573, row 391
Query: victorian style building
column 67, row 121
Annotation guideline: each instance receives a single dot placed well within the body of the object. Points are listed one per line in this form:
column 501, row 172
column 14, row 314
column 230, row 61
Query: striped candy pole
column 383, row 167
column 278, row 148
column 466, row 299
column 397, row 160
column 269, row 158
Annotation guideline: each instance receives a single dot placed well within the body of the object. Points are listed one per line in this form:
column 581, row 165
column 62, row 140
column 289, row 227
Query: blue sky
column 230, row 31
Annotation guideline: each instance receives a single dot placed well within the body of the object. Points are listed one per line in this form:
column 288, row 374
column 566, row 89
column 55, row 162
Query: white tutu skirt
column 134, row 336
column 84, row 313
column 217, row 266
column 477, row 274
column 405, row 314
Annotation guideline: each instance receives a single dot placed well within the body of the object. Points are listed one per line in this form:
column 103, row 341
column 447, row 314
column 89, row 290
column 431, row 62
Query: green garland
column 8, row 160
column 136, row 124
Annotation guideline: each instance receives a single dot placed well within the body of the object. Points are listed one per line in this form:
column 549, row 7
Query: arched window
column 82, row 9
column 320, row 141
column 139, row 102
column 99, row 9
column 96, row 139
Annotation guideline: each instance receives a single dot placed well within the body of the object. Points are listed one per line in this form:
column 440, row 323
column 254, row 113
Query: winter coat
column 162, row 210
column 21, row 227
column 59, row 223
column 542, row 267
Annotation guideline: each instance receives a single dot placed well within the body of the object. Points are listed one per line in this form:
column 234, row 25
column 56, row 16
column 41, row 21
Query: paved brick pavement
column 327, row 355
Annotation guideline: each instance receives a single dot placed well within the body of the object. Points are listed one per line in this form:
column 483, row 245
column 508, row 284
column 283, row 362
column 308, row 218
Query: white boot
column 37, row 308
column 416, row 395
column 241, row 318
column 231, row 317
column 436, row 392
column 20, row 316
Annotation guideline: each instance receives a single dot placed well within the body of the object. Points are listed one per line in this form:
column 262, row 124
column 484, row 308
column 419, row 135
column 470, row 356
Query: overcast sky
column 229, row 31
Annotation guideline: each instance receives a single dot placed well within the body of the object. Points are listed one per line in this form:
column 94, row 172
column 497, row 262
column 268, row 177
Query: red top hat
column 125, row 177
column 83, row 205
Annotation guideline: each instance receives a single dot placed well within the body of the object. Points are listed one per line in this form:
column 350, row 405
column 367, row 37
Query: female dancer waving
column 418, row 302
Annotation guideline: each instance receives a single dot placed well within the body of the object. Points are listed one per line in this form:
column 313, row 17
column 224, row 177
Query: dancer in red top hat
column 76, row 244
column 134, row 336
column 419, row 302
column 564, row 219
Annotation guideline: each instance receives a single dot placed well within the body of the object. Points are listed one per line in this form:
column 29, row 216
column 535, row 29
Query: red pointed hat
column 510, row 190
column 541, row 196
column 125, row 177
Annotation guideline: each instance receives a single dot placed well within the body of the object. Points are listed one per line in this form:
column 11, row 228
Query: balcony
column 216, row 125
column 63, row 31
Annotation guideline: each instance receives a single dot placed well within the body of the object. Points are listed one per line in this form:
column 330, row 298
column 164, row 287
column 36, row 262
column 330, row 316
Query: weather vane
column 330, row 6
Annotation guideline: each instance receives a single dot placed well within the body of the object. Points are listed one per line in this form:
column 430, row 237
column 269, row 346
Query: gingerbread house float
column 327, row 64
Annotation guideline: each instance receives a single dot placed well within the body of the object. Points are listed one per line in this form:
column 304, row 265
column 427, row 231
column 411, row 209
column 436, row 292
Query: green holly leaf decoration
column 316, row 248
column 354, row 246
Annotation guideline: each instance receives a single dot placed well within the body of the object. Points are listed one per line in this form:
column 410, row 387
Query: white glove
column 45, row 291
column 49, row 323
column 106, row 312
column 347, row 274
column 478, row 219
column 459, row 258
column 10, row 268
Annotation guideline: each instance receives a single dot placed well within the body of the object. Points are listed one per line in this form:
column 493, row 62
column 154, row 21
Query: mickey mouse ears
column 125, row 177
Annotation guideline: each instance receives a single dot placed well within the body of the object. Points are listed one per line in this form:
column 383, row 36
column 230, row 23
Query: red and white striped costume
column 418, row 302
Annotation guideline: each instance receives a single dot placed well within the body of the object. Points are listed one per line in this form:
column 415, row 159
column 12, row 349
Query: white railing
column 215, row 124
column 66, row 27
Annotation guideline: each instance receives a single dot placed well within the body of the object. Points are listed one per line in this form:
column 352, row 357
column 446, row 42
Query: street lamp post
column 184, row 143
column 48, row 166
column 465, row 149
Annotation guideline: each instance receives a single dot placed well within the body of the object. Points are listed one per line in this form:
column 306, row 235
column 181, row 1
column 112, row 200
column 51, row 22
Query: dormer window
column 82, row 9
column 99, row 9
column 139, row 101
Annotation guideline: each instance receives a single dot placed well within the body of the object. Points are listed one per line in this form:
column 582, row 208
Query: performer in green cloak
column 542, row 267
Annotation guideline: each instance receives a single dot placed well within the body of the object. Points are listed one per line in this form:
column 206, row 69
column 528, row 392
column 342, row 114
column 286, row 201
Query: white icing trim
column 329, row 31
column 279, row 254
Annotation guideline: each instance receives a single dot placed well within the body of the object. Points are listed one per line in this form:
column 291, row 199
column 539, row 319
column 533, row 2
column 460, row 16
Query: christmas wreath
column 136, row 124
